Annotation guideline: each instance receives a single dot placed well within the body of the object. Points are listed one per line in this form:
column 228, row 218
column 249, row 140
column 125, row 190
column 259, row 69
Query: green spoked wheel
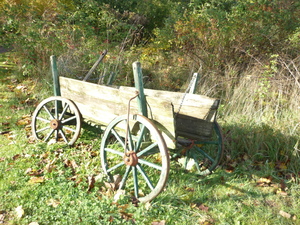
column 56, row 118
column 205, row 156
column 142, row 169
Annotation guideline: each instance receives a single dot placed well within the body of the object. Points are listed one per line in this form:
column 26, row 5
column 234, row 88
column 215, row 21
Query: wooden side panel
column 194, row 114
column 197, row 106
column 102, row 104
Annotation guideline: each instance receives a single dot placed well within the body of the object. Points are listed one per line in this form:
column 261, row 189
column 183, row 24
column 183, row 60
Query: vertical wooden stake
column 138, row 80
column 56, row 85
column 195, row 79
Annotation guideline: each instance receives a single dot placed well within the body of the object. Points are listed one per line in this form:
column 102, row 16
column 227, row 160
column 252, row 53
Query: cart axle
column 55, row 124
column 130, row 158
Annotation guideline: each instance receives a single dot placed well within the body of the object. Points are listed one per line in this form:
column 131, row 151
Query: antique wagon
column 144, row 129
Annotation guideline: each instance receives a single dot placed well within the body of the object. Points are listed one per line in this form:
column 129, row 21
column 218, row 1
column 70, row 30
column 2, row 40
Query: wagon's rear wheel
column 56, row 118
column 143, row 170
column 206, row 155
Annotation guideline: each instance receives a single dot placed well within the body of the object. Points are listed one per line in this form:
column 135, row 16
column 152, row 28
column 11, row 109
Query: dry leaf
column 2, row 216
column 34, row 223
column 35, row 180
column 118, row 195
column 91, row 182
column 285, row 214
column 264, row 182
column 148, row 205
column 19, row 211
column 53, row 202
column 33, row 172
column 16, row 156
column 163, row 222
column 203, row 207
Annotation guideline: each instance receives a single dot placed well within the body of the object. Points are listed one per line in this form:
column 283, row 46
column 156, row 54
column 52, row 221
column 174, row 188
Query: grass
column 51, row 184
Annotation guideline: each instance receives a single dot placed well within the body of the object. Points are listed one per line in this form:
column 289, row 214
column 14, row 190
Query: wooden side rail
column 102, row 104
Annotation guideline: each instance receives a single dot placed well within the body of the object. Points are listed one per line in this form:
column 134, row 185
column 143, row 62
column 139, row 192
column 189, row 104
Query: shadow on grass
column 259, row 162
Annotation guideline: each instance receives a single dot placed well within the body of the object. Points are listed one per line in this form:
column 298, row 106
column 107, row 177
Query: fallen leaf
column 162, row 222
column 189, row 189
column 2, row 216
column 35, row 180
column 203, row 207
column 4, row 132
column 285, row 214
column 33, row 172
column 53, row 202
column 19, row 211
column 69, row 163
column 118, row 195
column 126, row 216
column 15, row 157
column 148, row 205
column 115, row 185
column 264, row 182
column 50, row 166
column 91, row 182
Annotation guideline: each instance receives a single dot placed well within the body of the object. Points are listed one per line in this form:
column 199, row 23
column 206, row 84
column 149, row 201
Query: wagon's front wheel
column 142, row 169
column 56, row 118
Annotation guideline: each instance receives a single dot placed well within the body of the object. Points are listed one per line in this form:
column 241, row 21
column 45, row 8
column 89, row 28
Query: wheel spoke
column 115, row 166
column 48, row 111
column 67, row 120
column 135, row 182
column 148, row 181
column 147, row 149
column 140, row 139
column 56, row 109
column 40, row 130
column 69, row 128
column 118, row 137
column 208, row 142
column 42, row 119
column 130, row 141
column 123, row 181
column 63, row 135
column 155, row 166
column 114, row 151
column 64, row 111
column 196, row 162
column 49, row 135
column 204, row 154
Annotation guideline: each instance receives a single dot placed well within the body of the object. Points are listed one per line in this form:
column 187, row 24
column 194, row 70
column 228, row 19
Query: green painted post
column 111, row 78
column 55, row 76
column 194, row 81
column 138, row 80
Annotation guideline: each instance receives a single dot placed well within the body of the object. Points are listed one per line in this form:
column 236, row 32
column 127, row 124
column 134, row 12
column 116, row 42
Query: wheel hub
column 55, row 124
column 130, row 158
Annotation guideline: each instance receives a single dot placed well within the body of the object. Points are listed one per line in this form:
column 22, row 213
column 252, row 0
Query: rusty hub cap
column 55, row 124
column 130, row 158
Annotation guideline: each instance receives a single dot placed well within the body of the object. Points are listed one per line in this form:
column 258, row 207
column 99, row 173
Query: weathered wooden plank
column 193, row 114
column 198, row 106
column 101, row 104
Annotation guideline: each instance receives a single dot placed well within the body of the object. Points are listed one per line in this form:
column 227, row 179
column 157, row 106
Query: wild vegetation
column 247, row 53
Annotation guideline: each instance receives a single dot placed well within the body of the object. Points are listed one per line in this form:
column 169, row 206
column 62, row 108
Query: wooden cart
column 144, row 129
